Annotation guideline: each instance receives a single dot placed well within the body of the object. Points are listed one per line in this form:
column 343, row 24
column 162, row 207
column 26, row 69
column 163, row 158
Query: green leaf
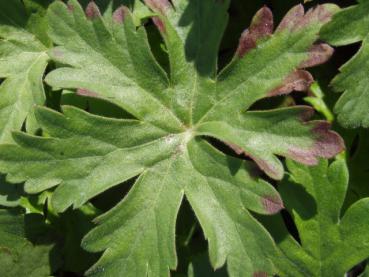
column 317, row 101
column 331, row 243
column 164, row 146
column 23, row 60
column 26, row 248
column 348, row 26
column 37, row 20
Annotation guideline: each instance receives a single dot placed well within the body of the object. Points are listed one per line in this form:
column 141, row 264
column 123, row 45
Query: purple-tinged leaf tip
column 86, row 92
column 307, row 112
column 92, row 11
column 272, row 204
column 292, row 18
column 70, row 7
column 327, row 145
column 263, row 22
column 318, row 54
column 320, row 13
column 238, row 150
column 160, row 6
column 159, row 24
column 67, row 5
column 295, row 19
column 299, row 80
column 261, row 27
column 120, row 14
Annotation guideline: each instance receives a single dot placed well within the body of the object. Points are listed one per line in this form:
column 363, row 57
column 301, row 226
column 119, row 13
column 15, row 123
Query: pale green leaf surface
column 331, row 243
column 348, row 26
column 87, row 148
column 36, row 19
column 84, row 154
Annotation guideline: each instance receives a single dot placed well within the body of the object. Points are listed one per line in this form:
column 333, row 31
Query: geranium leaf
column 348, row 26
column 23, row 60
column 164, row 146
column 331, row 243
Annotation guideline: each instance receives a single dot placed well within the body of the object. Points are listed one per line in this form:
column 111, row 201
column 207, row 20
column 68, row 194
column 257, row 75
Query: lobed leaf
column 349, row 26
column 164, row 145
column 23, row 60
column 331, row 243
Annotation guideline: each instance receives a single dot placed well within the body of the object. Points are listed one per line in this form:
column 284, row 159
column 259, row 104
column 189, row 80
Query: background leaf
column 328, row 243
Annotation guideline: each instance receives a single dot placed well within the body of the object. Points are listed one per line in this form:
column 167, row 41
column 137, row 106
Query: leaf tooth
column 70, row 7
column 159, row 24
column 318, row 54
column 160, row 6
column 295, row 19
column 299, row 80
column 120, row 14
column 272, row 204
column 320, row 13
column 92, row 11
column 263, row 22
column 261, row 27
column 292, row 18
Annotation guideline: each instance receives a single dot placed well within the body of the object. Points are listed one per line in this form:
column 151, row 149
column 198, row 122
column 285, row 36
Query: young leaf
column 164, row 145
column 348, row 26
column 331, row 243
column 23, row 60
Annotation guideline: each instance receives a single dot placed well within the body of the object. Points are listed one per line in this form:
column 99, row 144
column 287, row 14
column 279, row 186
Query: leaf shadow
column 204, row 37
column 40, row 233
column 10, row 194
column 298, row 199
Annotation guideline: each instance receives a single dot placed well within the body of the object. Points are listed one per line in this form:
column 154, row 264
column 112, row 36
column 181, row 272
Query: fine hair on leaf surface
column 107, row 103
